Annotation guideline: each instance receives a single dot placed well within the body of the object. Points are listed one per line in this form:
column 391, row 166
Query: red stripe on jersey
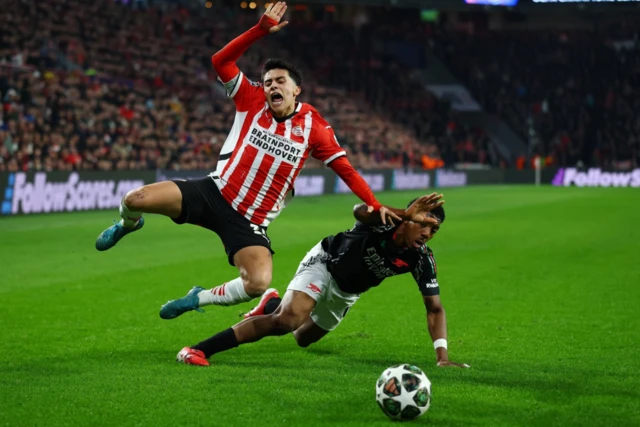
column 281, row 128
column 243, row 133
column 235, row 181
column 271, row 198
column 265, row 121
column 256, row 185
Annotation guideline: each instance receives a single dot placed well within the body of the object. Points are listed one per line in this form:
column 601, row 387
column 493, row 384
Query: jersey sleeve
column 425, row 275
column 244, row 92
column 325, row 146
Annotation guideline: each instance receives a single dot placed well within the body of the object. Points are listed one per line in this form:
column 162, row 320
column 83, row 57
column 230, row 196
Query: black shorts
column 203, row 205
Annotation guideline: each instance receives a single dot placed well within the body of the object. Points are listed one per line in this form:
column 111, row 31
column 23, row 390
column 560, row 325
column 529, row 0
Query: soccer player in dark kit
column 336, row 271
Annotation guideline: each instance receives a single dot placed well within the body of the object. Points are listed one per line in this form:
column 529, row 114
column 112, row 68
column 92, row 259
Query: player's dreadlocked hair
column 281, row 64
column 437, row 212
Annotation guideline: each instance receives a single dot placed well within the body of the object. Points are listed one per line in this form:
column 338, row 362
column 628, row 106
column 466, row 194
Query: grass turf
column 540, row 287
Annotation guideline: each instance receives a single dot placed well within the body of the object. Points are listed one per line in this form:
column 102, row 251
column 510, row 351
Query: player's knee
column 256, row 283
column 134, row 200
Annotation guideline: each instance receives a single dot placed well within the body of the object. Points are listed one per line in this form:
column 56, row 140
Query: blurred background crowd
column 104, row 85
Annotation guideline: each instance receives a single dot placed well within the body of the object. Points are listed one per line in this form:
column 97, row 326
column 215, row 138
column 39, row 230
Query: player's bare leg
column 309, row 333
column 292, row 313
column 256, row 268
column 162, row 198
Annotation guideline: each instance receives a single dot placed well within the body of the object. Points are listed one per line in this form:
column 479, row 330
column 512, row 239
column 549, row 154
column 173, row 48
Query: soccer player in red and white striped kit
column 272, row 136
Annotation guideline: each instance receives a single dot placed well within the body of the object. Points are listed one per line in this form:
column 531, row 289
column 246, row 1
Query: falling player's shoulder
column 319, row 122
column 321, row 130
column 306, row 108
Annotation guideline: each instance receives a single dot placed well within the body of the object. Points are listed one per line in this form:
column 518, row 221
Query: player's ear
column 297, row 91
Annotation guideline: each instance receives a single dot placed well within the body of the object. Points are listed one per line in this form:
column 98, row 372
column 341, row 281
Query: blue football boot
column 112, row 235
column 176, row 307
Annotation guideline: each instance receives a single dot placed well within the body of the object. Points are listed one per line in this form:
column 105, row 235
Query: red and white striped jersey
column 262, row 155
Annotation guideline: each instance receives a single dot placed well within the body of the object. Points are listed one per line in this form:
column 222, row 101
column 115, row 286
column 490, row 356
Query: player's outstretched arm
column 437, row 324
column 345, row 170
column 417, row 212
column 366, row 214
column 224, row 61
column 325, row 147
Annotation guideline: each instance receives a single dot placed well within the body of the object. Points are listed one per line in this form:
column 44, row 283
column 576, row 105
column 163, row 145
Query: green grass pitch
column 541, row 287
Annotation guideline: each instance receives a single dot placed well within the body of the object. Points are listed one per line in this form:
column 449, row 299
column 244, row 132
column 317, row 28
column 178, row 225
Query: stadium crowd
column 574, row 95
column 103, row 86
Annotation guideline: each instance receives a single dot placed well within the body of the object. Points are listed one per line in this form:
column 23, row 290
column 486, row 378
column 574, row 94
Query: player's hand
column 386, row 215
column 275, row 11
column 448, row 363
column 419, row 209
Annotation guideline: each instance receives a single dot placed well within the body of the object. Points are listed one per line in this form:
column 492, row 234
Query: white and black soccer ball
column 403, row 392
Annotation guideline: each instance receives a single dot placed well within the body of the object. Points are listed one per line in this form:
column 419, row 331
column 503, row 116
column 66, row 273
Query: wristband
column 440, row 342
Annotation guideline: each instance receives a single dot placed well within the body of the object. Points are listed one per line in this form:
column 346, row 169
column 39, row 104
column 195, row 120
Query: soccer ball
column 403, row 392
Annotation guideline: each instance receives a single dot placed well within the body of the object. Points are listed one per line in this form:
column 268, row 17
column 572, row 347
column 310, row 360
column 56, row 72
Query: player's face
column 280, row 91
column 417, row 234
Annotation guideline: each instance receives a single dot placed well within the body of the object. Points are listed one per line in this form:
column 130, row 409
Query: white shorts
column 313, row 279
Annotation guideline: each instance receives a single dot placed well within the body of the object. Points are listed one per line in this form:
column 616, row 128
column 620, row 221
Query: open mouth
column 418, row 244
column 276, row 99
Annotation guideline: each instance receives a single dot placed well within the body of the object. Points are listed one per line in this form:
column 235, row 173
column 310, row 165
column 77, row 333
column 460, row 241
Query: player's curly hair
column 281, row 64
column 437, row 212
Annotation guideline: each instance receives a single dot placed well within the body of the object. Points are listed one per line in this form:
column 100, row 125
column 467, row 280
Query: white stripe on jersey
column 335, row 156
column 308, row 121
column 246, row 185
column 273, row 126
column 287, row 129
column 233, row 84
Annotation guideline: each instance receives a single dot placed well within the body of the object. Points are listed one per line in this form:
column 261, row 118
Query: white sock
column 129, row 218
column 230, row 293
